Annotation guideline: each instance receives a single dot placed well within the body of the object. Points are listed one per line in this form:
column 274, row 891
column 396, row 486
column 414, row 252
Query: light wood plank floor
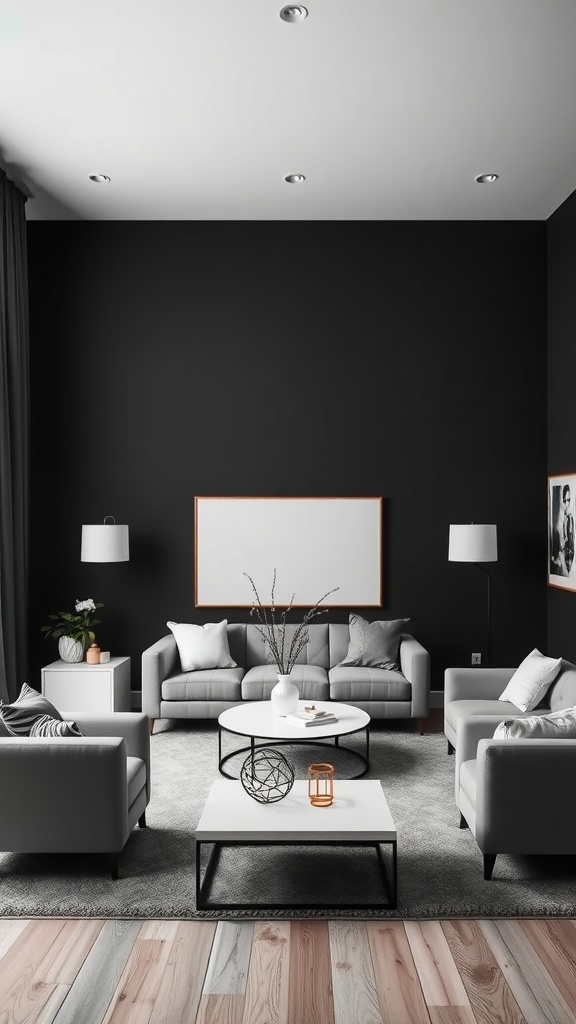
column 288, row 972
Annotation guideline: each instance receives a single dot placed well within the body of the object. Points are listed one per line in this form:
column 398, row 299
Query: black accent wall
column 390, row 358
column 561, row 378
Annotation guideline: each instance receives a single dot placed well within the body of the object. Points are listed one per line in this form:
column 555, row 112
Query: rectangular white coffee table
column 359, row 817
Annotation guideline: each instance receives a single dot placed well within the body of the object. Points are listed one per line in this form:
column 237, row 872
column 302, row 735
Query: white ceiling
column 197, row 111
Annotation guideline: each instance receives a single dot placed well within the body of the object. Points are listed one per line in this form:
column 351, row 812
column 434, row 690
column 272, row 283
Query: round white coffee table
column 256, row 721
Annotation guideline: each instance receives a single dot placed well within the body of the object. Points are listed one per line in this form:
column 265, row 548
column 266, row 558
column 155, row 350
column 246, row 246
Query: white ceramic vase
column 70, row 650
column 284, row 696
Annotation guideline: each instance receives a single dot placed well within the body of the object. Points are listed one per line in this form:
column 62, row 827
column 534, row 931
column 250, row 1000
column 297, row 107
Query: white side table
column 81, row 687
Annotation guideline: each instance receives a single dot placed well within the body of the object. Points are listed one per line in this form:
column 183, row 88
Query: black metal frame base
column 310, row 741
column 390, row 884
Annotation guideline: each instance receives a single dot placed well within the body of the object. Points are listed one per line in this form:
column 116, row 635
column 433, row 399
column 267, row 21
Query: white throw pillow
column 531, row 679
column 202, row 647
column 557, row 725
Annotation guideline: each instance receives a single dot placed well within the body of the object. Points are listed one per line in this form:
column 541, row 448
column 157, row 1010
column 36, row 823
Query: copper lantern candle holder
column 321, row 784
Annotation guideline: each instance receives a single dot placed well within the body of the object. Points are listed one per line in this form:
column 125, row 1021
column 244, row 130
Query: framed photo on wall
column 561, row 518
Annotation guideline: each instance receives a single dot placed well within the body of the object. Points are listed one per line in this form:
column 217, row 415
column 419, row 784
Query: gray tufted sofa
column 167, row 692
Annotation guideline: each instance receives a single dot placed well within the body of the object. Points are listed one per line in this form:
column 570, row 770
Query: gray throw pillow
column 48, row 726
column 557, row 725
column 374, row 644
column 20, row 715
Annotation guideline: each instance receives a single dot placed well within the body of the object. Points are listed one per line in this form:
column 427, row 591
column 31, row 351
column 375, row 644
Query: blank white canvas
column 315, row 544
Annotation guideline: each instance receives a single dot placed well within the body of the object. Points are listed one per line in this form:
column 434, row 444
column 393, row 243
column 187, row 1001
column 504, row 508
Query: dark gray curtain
column 14, row 440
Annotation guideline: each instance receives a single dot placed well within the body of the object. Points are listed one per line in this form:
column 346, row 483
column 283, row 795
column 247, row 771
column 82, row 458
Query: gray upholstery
column 475, row 691
column 512, row 793
column 314, row 653
column 339, row 638
column 75, row 795
column 311, row 680
column 204, row 684
column 356, row 683
column 457, row 709
column 167, row 692
column 562, row 693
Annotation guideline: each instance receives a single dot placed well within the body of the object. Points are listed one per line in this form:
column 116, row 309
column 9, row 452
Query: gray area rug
column 439, row 864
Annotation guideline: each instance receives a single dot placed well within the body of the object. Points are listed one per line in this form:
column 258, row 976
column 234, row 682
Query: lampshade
column 473, row 542
column 105, row 542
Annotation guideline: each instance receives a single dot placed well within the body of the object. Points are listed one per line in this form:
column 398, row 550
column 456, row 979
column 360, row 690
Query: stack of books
column 311, row 716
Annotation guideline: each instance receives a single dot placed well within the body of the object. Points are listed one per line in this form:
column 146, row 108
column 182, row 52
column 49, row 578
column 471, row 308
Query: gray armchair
column 514, row 794
column 76, row 794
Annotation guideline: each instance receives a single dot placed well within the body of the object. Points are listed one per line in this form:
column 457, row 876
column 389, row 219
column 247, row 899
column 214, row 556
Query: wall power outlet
column 476, row 659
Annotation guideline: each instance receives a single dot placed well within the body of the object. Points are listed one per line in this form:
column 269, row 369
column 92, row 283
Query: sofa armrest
column 469, row 732
column 415, row 666
column 475, row 683
column 65, row 794
column 158, row 662
column 131, row 726
column 524, row 795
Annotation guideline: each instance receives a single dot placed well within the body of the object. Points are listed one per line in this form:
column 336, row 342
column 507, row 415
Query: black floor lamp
column 475, row 542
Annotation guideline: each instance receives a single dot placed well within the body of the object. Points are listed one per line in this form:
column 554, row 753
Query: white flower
column 86, row 606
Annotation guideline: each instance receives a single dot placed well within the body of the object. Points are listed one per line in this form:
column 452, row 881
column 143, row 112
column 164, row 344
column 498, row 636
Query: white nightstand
column 83, row 687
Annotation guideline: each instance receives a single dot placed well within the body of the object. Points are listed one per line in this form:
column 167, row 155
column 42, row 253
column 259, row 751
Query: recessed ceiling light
column 292, row 179
column 482, row 179
column 99, row 178
column 293, row 12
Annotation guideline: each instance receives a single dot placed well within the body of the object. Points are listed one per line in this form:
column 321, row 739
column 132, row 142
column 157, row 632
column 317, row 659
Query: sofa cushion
column 20, row 715
column 311, row 680
column 210, row 684
column 531, row 679
column 562, row 693
column 45, row 725
column 351, row 683
column 136, row 774
column 202, row 647
column 501, row 709
column 557, row 725
column 374, row 644
column 315, row 652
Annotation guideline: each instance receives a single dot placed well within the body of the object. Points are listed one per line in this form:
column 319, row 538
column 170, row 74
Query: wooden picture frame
column 561, row 520
column 314, row 544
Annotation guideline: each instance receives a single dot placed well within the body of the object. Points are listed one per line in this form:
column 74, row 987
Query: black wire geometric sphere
column 267, row 776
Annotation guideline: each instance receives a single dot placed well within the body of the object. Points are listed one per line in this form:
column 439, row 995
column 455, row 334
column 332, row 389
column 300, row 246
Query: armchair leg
column 449, row 747
column 489, row 862
column 421, row 725
column 151, row 725
column 463, row 823
column 142, row 820
column 113, row 865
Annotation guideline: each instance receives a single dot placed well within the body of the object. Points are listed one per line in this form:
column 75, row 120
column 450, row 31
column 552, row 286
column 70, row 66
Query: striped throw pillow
column 20, row 715
column 48, row 726
column 374, row 644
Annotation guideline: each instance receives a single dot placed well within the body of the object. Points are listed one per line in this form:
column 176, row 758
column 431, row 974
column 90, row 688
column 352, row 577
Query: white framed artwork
column 314, row 544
